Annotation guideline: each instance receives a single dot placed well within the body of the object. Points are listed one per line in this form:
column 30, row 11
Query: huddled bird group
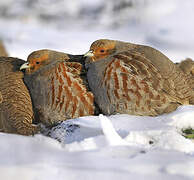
column 112, row 77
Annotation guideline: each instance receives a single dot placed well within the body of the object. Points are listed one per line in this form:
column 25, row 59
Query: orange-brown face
column 101, row 49
column 35, row 62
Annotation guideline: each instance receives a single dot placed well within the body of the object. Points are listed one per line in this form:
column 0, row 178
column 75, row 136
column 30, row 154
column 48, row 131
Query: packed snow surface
column 101, row 147
column 114, row 147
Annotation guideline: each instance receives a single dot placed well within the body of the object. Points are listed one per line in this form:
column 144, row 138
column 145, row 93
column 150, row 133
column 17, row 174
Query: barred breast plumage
column 134, row 79
column 16, row 114
column 56, row 86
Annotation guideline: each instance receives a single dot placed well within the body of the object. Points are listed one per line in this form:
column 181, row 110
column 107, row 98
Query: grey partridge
column 16, row 114
column 57, row 86
column 134, row 79
column 3, row 51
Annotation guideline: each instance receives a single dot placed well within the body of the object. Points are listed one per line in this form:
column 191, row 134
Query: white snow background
column 100, row 147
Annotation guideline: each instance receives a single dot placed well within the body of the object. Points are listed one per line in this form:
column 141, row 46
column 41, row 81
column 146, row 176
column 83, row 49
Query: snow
column 100, row 147
column 118, row 146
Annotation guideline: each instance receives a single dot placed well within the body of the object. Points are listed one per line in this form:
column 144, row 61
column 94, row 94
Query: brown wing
column 62, row 94
column 134, row 85
column 16, row 113
column 176, row 83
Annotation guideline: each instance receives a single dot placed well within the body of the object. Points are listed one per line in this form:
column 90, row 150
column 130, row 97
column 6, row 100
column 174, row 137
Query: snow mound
column 93, row 132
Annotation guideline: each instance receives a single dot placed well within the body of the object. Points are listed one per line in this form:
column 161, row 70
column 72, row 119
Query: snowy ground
column 119, row 146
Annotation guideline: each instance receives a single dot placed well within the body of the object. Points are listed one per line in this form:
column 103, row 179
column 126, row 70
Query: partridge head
column 16, row 114
column 57, row 86
column 134, row 79
column 101, row 49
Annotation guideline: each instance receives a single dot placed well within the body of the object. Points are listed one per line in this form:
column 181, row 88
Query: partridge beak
column 24, row 66
column 89, row 54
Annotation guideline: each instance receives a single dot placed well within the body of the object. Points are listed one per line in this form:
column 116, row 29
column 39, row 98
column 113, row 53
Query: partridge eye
column 102, row 50
column 37, row 62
